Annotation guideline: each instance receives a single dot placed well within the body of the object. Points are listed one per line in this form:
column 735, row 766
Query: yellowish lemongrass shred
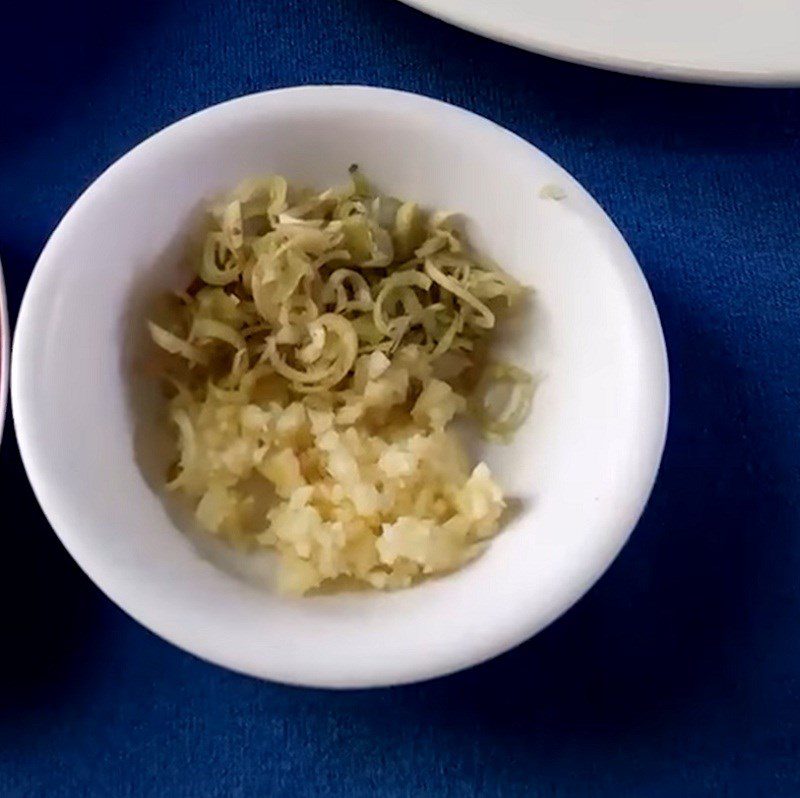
column 314, row 367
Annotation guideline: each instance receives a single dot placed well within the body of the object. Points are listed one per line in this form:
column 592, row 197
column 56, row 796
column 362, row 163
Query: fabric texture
column 679, row 673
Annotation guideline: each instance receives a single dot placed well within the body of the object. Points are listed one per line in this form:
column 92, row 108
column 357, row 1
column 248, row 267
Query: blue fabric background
column 679, row 674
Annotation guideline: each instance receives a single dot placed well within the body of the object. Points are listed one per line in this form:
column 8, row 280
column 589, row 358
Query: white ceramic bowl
column 583, row 466
column 5, row 348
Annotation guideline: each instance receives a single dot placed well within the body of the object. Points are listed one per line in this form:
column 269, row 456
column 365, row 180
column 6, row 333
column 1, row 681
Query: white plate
column 582, row 466
column 742, row 42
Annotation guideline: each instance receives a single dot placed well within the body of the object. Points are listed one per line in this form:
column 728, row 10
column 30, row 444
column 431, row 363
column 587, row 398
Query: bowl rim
column 604, row 57
column 5, row 351
column 98, row 572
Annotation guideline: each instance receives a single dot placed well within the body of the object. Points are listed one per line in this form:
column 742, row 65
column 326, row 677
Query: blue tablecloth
column 679, row 674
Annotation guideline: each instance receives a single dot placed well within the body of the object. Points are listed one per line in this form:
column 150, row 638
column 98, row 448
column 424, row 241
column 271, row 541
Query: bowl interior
column 581, row 468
